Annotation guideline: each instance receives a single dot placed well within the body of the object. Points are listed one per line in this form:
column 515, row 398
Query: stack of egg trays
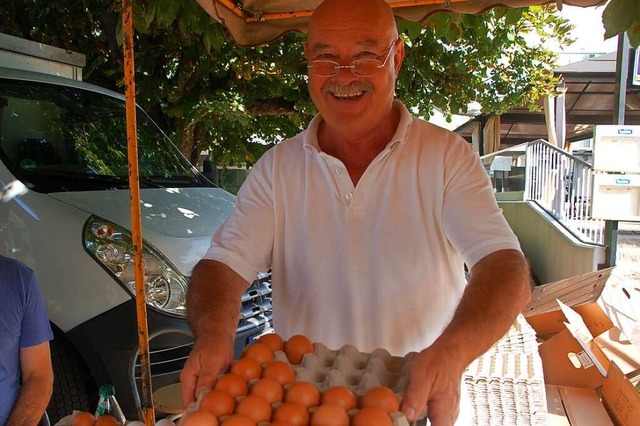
column 506, row 384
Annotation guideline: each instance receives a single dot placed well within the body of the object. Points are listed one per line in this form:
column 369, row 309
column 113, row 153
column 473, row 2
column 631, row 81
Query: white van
column 65, row 213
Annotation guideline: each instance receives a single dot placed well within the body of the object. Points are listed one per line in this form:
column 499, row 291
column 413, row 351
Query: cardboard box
column 602, row 298
column 620, row 398
column 585, row 375
column 572, row 357
column 575, row 406
column 619, row 403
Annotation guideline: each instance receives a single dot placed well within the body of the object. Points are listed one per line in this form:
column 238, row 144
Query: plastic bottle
column 107, row 404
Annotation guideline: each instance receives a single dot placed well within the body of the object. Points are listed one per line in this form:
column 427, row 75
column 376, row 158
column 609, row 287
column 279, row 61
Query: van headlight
column 112, row 247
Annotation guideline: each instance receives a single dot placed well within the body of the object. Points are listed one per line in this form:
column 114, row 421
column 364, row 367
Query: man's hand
column 434, row 387
column 210, row 355
column 213, row 310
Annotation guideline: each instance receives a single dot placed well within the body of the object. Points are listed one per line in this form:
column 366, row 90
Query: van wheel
column 73, row 386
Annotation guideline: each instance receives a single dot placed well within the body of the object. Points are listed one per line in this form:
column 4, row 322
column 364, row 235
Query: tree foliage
column 208, row 93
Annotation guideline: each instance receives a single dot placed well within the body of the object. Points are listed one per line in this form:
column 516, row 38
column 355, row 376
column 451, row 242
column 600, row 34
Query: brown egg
column 267, row 388
column 279, row 423
column 248, row 368
column 106, row 420
column 296, row 346
column 218, row 402
column 371, row 416
column 273, row 341
column 329, row 415
column 292, row 412
column 233, row 384
column 279, row 370
column 304, row 393
column 238, row 420
column 381, row 397
column 199, row 418
column 340, row 395
column 254, row 407
column 82, row 418
column 260, row 352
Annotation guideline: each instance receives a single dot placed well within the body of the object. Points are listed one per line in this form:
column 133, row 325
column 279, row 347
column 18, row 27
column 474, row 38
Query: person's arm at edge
column 213, row 311
column 37, row 386
column 497, row 291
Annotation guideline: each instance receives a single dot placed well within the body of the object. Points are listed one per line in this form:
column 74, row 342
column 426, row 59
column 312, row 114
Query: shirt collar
column 310, row 140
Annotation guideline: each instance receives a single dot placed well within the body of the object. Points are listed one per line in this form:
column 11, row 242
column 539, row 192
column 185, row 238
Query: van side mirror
column 210, row 171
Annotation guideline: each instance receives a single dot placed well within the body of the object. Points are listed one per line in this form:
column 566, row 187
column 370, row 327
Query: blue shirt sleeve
column 35, row 322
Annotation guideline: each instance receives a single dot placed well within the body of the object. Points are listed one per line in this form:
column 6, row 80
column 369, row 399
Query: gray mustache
column 356, row 86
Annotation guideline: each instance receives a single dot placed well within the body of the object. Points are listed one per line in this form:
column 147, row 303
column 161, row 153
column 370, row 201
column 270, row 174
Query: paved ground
column 628, row 256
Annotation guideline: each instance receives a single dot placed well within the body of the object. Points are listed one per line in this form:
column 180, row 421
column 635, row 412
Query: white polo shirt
column 379, row 265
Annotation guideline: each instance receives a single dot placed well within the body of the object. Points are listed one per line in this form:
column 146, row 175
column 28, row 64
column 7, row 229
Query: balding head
column 341, row 13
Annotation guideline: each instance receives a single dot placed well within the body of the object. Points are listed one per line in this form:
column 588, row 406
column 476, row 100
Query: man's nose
column 345, row 73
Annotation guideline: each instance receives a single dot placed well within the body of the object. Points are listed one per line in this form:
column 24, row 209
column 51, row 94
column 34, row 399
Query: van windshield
column 57, row 138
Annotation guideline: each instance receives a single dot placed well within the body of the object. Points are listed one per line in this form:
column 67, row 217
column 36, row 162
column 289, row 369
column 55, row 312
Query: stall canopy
column 253, row 22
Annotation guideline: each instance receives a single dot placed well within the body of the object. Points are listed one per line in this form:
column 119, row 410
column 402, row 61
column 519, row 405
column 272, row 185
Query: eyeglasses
column 359, row 67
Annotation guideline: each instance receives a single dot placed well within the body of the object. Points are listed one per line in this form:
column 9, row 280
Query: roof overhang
column 590, row 99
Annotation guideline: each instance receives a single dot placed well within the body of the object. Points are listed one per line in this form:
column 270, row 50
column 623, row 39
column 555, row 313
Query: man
column 26, row 374
column 366, row 219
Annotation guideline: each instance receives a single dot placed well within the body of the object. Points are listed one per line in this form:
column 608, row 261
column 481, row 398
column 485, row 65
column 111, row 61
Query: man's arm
column 213, row 311
column 498, row 290
column 37, row 386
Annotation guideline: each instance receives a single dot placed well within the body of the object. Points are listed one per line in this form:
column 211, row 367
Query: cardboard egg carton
column 349, row 367
column 356, row 370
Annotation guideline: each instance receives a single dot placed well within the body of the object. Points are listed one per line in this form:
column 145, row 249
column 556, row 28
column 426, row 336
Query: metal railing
column 560, row 183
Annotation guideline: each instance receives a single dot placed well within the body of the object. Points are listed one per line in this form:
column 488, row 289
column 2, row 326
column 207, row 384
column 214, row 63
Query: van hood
column 179, row 222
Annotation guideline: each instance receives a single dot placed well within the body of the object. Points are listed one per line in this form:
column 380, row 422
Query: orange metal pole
column 136, row 227
column 233, row 7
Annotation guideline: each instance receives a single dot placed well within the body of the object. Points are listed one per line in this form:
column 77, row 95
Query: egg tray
column 349, row 367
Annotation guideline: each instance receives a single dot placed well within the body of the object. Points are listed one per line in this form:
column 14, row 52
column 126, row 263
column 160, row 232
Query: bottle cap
column 107, row 390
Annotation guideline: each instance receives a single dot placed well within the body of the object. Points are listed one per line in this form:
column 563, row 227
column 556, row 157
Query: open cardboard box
column 585, row 376
column 602, row 298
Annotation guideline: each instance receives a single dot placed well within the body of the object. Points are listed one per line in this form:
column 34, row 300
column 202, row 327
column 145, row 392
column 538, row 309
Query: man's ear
column 305, row 45
column 398, row 56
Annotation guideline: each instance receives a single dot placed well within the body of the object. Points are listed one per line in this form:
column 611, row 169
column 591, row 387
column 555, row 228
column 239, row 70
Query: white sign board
column 616, row 197
column 616, row 149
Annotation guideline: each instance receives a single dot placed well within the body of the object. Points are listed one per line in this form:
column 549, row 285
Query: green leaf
column 453, row 34
column 412, row 29
column 513, row 16
column 634, row 35
column 150, row 13
column 166, row 12
column 469, row 20
column 139, row 22
column 440, row 22
column 618, row 16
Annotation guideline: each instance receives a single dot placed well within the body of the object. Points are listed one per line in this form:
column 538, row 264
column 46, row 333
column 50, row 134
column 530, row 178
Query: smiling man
column 367, row 219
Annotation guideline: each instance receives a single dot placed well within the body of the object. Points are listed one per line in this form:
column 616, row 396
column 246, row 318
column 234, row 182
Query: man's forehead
column 325, row 45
